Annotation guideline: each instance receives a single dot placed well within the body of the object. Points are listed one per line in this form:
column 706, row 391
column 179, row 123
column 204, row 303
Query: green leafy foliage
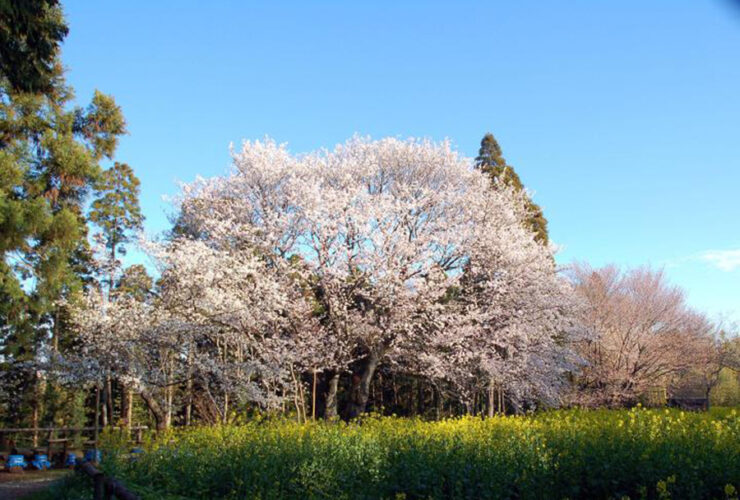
column 727, row 390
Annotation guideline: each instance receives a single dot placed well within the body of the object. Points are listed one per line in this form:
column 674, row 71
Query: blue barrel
column 135, row 453
column 15, row 461
column 92, row 456
column 41, row 462
column 70, row 460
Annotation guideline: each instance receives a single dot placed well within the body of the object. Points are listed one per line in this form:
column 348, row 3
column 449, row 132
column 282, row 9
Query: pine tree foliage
column 135, row 282
column 491, row 161
column 116, row 210
column 50, row 161
column 30, row 34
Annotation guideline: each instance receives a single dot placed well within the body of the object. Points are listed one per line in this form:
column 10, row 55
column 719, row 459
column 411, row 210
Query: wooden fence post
column 105, row 488
column 98, row 486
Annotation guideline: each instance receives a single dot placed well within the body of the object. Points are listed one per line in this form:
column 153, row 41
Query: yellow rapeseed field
column 638, row 453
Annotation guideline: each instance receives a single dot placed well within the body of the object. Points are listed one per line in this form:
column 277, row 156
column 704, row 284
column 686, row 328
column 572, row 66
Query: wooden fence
column 50, row 431
column 105, row 487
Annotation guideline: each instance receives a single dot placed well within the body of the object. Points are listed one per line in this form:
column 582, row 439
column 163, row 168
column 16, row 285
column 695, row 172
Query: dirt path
column 22, row 484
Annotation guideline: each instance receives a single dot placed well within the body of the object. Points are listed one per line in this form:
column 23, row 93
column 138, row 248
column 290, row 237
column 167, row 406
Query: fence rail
column 105, row 487
column 65, row 429
column 50, row 431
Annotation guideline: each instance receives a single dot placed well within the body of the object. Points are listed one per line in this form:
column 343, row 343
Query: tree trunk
column 55, row 333
column 107, row 401
column 189, row 404
column 160, row 418
column 103, row 407
column 330, row 410
column 708, row 392
column 411, row 397
column 225, row 417
column 313, row 396
column 361, row 379
column 124, row 407
column 189, row 390
column 438, row 401
column 127, row 401
column 35, row 422
column 381, row 390
column 302, row 399
column 491, row 400
column 298, row 399
column 97, row 414
column 169, row 393
column 469, row 408
column 109, row 386
column 129, row 408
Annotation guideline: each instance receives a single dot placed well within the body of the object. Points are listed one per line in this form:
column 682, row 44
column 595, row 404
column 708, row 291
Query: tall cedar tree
column 491, row 161
column 116, row 211
column 50, row 156
column 30, row 34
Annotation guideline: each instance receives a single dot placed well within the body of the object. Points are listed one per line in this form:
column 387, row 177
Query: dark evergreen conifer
column 491, row 161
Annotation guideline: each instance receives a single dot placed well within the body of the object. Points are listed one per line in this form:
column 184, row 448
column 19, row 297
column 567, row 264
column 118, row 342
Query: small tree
column 116, row 211
column 717, row 353
column 135, row 282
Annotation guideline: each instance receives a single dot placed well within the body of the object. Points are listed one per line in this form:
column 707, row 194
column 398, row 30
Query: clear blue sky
column 623, row 117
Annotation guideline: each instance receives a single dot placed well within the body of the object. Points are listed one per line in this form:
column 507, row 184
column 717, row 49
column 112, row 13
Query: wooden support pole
column 98, row 486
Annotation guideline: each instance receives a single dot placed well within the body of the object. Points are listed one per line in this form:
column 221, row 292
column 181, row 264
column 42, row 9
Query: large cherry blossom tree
column 331, row 263
column 377, row 234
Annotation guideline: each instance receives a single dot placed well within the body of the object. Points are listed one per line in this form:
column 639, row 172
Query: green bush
column 727, row 390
